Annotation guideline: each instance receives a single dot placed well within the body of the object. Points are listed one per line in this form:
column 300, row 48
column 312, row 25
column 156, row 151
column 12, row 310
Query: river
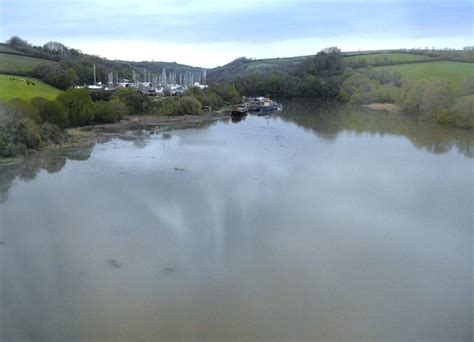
column 315, row 223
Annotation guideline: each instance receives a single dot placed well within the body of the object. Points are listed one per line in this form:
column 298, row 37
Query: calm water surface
column 316, row 224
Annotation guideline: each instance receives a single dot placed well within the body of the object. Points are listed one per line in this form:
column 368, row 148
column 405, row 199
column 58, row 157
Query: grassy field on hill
column 453, row 72
column 15, row 63
column 4, row 48
column 275, row 62
column 19, row 88
column 379, row 58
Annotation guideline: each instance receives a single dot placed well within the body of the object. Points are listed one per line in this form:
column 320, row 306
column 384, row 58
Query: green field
column 15, row 63
column 383, row 58
column 275, row 62
column 4, row 48
column 453, row 72
column 19, row 88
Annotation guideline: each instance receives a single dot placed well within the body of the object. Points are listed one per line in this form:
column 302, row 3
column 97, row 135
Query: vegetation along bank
column 42, row 92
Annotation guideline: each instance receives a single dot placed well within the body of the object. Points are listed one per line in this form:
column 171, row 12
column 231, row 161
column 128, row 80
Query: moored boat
column 263, row 105
column 269, row 106
column 239, row 111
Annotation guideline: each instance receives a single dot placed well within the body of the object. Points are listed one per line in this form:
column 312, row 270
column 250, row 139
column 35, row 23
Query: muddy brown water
column 315, row 223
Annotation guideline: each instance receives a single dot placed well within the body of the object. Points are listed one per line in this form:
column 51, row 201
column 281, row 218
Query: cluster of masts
column 151, row 81
column 187, row 78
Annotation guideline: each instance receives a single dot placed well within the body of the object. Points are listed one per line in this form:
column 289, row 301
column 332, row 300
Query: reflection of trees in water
column 27, row 169
column 327, row 121
column 54, row 160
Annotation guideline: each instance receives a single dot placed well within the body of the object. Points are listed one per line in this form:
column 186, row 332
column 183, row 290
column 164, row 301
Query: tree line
column 319, row 76
column 76, row 68
column 29, row 125
column 433, row 100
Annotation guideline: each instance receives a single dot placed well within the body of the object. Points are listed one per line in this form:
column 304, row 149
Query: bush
column 14, row 149
column 51, row 133
column 414, row 97
column 56, row 76
column 197, row 93
column 133, row 100
column 39, row 102
column 167, row 106
column 104, row 112
column 212, row 100
column 436, row 97
column 188, row 105
column 54, row 113
column 118, row 108
column 101, row 95
column 19, row 109
column 79, row 106
column 29, row 133
column 462, row 112
column 231, row 95
column 359, row 89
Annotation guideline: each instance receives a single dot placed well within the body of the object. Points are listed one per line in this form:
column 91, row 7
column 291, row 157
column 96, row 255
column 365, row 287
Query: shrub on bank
column 51, row 134
column 461, row 113
column 54, row 113
column 167, row 106
column 79, row 106
column 29, row 133
column 104, row 113
column 134, row 101
column 188, row 105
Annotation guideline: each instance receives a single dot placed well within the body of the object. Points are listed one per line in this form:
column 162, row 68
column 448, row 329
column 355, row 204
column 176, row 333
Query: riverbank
column 87, row 136
column 98, row 133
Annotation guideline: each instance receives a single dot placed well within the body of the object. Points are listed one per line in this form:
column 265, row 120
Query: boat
column 269, row 106
column 254, row 107
column 239, row 111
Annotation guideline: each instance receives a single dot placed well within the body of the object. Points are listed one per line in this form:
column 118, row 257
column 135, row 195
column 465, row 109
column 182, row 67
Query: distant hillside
column 355, row 59
column 453, row 72
column 385, row 58
column 243, row 66
column 19, row 57
column 20, row 64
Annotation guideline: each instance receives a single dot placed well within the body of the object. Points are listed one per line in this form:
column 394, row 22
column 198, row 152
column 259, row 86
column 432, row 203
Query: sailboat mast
column 95, row 83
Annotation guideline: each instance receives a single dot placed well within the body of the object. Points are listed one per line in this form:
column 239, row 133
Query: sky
column 209, row 33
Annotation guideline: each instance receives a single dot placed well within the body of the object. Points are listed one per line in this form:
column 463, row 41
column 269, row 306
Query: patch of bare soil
column 100, row 133
column 389, row 107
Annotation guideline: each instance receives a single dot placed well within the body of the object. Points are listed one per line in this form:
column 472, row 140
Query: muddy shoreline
column 79, row 136
column 87, row 136
column 388, row 107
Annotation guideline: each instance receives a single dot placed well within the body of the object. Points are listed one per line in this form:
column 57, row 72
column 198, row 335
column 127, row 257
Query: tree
column 188, row 105
column 231, row 95
column 16, row 42
column 29, row 133
column 79, row 106
column 358, row 89
column 55, row 47
column 436, row 97
column 462, row 112
column 56, row 76
column 104, row 112
column 167, row 106
column 55, row 113
column 414, row 96
column 133, row 100
column 118, row 108
column 19, row 109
